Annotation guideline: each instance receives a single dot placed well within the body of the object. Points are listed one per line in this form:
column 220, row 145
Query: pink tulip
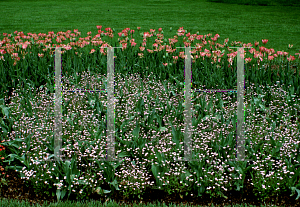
column 264, row 41
column 271, row 57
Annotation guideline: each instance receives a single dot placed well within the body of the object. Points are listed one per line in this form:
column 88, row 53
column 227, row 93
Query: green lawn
column 246, row 23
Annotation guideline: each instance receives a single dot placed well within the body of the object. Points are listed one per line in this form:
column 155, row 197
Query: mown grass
column 246, row 23
column 14, row 203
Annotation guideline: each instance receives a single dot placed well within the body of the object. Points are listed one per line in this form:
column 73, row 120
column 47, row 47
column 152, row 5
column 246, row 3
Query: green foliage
column 6, row 120
column 34, row 72
column 68, row 171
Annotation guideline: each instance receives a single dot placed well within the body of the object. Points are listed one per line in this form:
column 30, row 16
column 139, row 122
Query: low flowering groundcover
column 149, row 121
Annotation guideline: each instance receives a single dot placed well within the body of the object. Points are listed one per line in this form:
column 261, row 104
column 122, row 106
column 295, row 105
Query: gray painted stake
column 240, row 108
column 110, row 105
column 57, row 105
column 188, row 113
column 187, row 110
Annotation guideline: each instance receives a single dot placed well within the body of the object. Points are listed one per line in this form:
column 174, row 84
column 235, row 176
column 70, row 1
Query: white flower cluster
column 27, row 173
